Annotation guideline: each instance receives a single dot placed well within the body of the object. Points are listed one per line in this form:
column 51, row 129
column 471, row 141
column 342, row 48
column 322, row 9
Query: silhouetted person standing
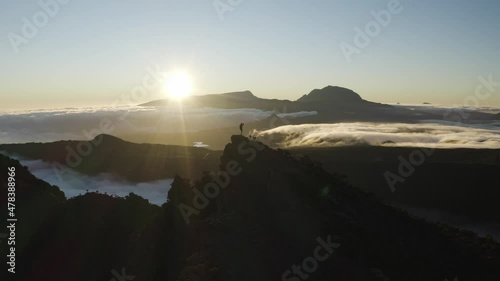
column 241, row 128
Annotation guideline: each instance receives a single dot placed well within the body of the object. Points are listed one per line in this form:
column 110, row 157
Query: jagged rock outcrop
column 271, row 210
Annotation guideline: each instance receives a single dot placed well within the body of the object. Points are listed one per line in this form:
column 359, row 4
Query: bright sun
column 178, row 85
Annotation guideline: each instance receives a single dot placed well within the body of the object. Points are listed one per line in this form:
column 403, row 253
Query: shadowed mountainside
column 131, row 161
column 458, row 181
column 266, row 218
column 82, row 238
column 278, row 205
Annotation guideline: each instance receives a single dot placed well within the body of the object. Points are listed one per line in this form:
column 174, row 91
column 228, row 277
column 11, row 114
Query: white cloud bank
column 441, row 109
column 437, row 135
column 68, row 124
column 73, row 183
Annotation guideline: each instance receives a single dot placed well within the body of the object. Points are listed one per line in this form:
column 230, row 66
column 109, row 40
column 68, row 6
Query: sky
column 93, row 52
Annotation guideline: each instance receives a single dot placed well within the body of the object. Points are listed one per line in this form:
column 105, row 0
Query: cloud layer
column 440, row 109
column 73, row 183
column 68, row 124
column 436, row 134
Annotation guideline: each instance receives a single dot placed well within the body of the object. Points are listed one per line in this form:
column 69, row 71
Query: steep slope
column 83, row 238
column 36, row 208
column 264, row 215
column 457, row 181
column 269, row 215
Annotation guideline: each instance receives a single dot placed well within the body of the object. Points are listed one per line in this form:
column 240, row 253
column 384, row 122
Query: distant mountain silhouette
column 333, row 104
column 247, row 99
column 331, row 94
column 108, row 140
column 244, row 99
column 241, row 95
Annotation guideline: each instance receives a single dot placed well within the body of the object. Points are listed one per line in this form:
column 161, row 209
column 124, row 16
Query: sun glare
column 178, row 85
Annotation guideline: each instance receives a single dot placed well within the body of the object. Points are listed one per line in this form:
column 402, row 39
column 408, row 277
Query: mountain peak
column 107, row 139
column 331, row 93
column 241, row 94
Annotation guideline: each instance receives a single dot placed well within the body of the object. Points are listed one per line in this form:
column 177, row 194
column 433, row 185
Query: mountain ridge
column 267, row 217
column 332, row 104
column 331, row 94
column 277, row 197
column 326, row 94
column 136, row 162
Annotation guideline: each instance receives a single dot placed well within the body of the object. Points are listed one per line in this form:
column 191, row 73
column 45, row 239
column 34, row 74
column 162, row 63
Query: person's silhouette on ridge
column 241, row 128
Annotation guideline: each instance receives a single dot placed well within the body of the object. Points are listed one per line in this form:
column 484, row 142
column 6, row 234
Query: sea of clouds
column 441, row 109
column 68, row 123
column 431, row 133
column 73, row 183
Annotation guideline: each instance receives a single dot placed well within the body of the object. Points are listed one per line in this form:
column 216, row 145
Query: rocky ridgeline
column 264, row 212
column 265, row 215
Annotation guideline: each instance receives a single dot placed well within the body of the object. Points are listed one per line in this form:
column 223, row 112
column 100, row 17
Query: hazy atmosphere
column 91, row 52
column 238, row 140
